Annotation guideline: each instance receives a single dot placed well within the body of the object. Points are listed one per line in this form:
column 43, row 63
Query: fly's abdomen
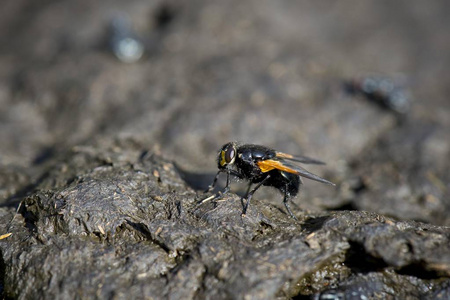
column 285, row 182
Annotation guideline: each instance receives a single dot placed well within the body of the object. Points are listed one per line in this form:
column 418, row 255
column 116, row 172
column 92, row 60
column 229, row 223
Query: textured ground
column 109, row 158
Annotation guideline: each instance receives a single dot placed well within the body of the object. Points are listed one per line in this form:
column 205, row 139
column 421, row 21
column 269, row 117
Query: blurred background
column 362, row 85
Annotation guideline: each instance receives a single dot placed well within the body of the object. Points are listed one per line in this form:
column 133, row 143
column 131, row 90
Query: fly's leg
column 249, row 195
column 213, row 184
column 227, row 186
column 245, row 195
column 225, row 190
column 286, row 199
column 229, row 172
column 248, row 189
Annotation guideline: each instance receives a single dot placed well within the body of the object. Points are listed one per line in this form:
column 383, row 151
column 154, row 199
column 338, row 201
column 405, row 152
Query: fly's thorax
column 245, row 156
column 248, row 168
column 258, row 152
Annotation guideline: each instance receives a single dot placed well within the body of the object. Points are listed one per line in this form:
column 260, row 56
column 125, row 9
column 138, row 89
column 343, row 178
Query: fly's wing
column 286, row 166
column 299, row 158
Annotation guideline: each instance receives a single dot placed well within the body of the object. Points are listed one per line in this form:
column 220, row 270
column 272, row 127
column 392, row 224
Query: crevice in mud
column 302, row 297
column 30, row 219
column 346, row 206
column 418, row 270
column 360, row 261
column 143, row 229
column 311, row 225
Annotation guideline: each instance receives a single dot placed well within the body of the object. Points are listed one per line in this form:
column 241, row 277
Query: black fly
column 263, row 166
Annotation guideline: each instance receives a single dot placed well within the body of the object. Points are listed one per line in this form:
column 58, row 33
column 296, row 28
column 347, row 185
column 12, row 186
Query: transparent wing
column 299, row 158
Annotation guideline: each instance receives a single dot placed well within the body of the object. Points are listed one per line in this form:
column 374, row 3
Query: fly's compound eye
column 227, row 156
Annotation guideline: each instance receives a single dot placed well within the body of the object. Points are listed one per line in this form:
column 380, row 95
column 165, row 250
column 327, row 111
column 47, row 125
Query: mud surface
column 105, row 161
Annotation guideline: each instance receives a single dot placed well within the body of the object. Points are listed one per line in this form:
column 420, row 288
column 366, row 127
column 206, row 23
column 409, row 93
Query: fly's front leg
column 248, row 190
column 229, row 172
column 224, row 191
column 213, row 184
column 227, row 186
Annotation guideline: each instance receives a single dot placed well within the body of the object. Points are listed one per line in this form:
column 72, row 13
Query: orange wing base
column 269, row 165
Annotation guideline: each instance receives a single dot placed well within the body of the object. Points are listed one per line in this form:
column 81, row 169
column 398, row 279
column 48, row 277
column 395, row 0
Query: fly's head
column 227, row 156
